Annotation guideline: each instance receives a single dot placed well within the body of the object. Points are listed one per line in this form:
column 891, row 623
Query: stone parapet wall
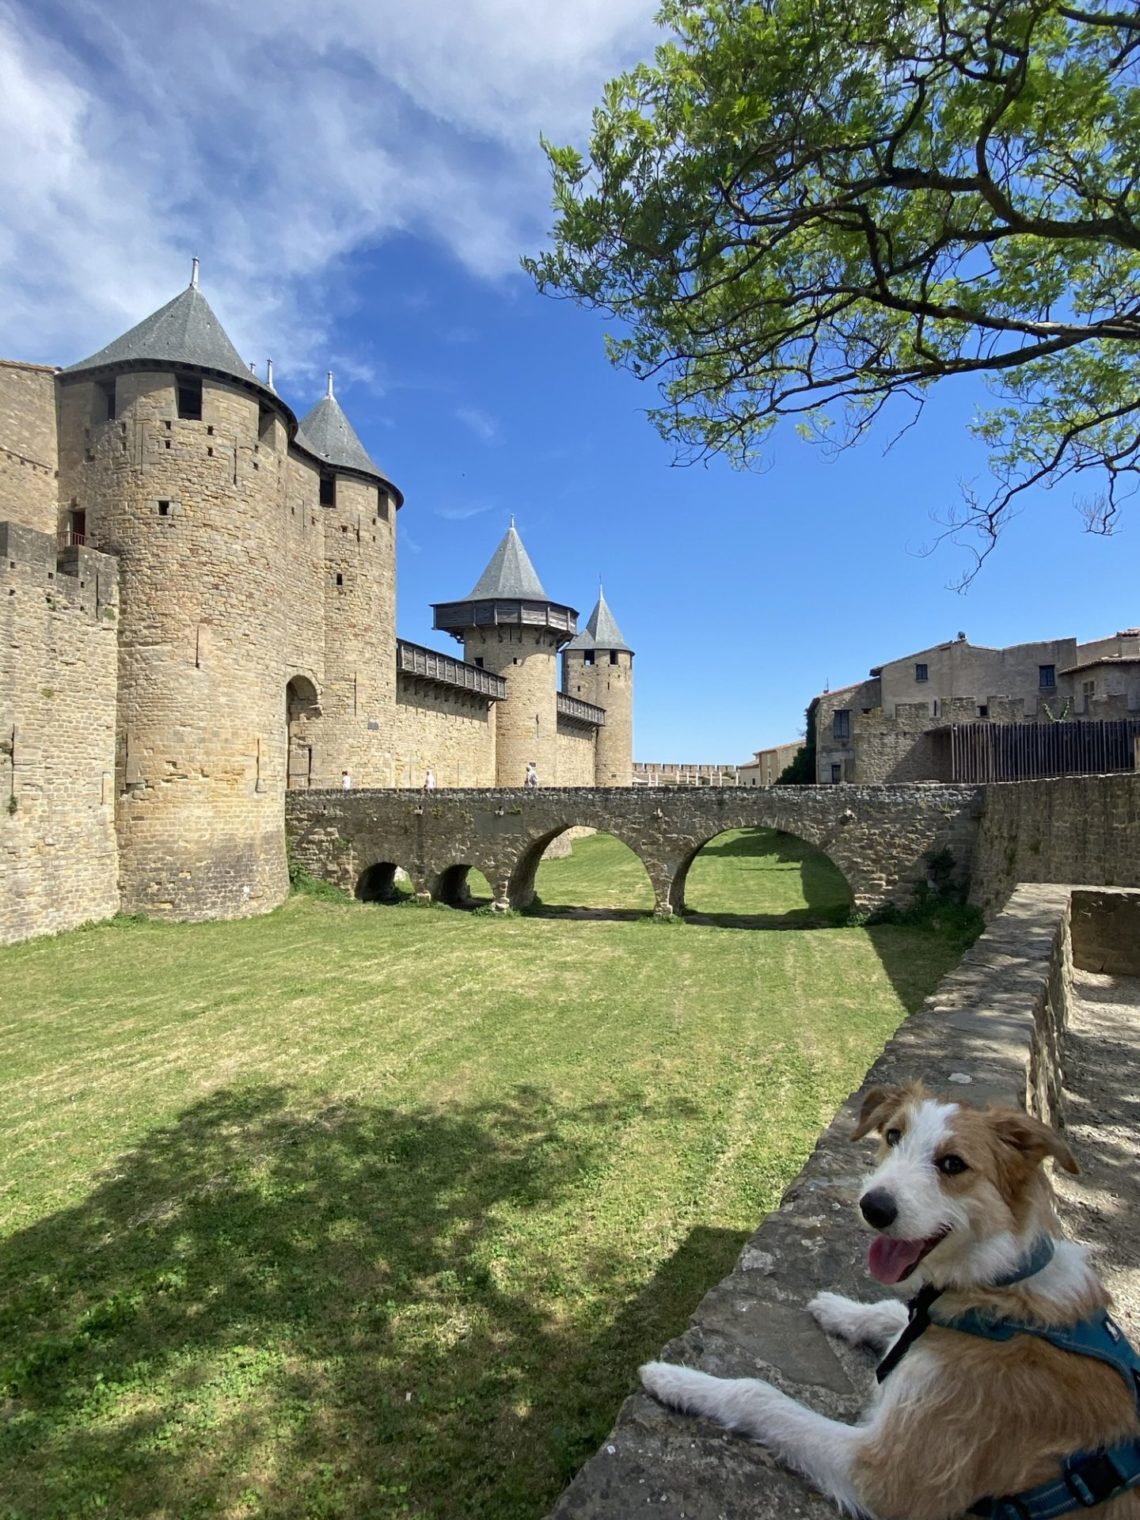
column 58, row 655
column 995, row 1020
column 1069, row 828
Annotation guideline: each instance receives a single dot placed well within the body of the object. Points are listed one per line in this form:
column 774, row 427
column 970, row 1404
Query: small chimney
column 329, row 389
column 193, row 274
column 269, row 373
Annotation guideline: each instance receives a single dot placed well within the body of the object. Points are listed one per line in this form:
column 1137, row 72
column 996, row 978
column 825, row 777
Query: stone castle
column 198, row 601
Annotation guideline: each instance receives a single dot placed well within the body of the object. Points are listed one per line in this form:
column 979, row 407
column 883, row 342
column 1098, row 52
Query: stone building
column 768, row 765
column 894, row 726
column 198, row 598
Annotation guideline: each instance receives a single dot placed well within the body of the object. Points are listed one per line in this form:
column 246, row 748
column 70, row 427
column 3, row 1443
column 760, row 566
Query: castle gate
column 878, row 836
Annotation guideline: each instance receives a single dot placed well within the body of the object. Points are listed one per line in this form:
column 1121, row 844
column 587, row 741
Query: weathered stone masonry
column 58, row 653
column 879, row 837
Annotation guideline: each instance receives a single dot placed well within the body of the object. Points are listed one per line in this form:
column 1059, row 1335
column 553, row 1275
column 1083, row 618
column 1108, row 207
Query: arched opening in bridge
column 462, row 886
column 383, row 882
column 302, row 717
column 587, row 873
column 763, row 878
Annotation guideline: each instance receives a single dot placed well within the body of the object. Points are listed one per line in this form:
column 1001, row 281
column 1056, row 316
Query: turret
column 508, row 625
column 597, row 666
column 358, row 506
column 173, row 457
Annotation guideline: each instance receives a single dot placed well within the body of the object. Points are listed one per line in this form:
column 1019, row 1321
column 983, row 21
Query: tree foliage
column 805, row 208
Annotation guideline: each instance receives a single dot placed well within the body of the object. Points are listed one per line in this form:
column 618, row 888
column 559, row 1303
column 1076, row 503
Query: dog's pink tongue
column 890, row 1259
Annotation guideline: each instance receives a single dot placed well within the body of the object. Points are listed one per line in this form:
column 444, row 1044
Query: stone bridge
column 878, row 836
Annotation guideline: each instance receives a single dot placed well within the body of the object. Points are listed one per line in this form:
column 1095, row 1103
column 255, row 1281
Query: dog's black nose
column 878, row 1208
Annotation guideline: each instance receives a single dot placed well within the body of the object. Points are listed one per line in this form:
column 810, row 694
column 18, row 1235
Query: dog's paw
column 837, row 1315
column 864, row 1324
column 679, row 1387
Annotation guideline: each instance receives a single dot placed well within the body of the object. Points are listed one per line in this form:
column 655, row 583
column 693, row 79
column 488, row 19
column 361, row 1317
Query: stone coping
column 992, row 1030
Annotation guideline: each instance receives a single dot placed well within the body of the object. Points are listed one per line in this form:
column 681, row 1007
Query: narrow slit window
column 265, row 424
column 328, row 490
column 105, row 399
column 190, row 398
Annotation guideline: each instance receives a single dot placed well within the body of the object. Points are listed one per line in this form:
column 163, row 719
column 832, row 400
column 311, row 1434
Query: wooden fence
column 1024, row 751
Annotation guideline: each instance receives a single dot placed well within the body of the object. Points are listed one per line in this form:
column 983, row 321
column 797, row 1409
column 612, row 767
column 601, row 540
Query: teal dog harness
column 1087, row 1478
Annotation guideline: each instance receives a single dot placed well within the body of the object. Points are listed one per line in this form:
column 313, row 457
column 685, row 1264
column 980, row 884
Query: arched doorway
column 302, row 715
column 764, row 878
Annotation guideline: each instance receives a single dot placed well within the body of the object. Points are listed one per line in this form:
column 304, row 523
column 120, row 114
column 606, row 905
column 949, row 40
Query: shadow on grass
column 266, row 1312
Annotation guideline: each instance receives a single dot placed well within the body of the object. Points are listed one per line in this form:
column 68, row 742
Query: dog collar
column 1039, row 1255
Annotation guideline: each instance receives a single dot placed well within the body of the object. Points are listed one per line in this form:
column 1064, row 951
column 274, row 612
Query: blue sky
column 359, row 180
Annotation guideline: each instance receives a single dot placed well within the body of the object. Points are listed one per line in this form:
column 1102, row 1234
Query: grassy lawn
column 372, row 1211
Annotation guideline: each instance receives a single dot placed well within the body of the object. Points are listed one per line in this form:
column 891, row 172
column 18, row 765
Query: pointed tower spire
column 509, row 571
column 601, row 631
column 326, row 433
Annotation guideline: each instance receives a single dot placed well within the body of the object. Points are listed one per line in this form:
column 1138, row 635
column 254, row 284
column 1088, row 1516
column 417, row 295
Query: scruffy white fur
column 975, row 1226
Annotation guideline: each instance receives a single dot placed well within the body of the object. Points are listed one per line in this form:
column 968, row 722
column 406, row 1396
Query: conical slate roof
column 509, row 573
column 601, row 632
column 184, row 331
column 327, row 433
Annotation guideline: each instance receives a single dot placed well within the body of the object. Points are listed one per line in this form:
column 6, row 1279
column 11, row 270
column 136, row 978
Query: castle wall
column 195, row 510
column 453, row 732
column 58, row 626
column 359, row 698
column 574, row 753
column 28, row 451
column 526, row 723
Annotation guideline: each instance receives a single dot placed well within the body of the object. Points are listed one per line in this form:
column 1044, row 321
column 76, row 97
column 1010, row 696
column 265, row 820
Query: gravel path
column 1102, row 1114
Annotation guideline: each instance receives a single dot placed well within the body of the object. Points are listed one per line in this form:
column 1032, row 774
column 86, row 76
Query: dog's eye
column 950, row 1166
column 893, row 1136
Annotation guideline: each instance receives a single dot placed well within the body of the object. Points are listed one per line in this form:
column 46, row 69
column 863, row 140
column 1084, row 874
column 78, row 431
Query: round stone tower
column 358, row 506
column 597, row 666
column 509, row 626
column 177, row 459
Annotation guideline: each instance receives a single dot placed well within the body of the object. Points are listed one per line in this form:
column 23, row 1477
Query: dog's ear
column 1031, row 1138
column 876, row 1106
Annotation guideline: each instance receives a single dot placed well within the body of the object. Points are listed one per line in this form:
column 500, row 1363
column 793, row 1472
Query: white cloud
column 276, row 142
column 480, row 422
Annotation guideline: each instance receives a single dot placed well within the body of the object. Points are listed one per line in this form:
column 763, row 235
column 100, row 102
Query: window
column 836, row 774
column 189, row 397
column 328, row 490
column 841, row 724
column 921, row 673
column 1046, row 675
column 339, row 579
column 613, row 657
column 1088, row 691
column 479, row 661
column 105, row 401
column 983, row 710
column 587, row 657
column 265, row 424
column 164, row 509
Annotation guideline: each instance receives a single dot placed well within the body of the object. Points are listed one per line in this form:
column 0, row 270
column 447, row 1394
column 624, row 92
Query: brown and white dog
column 959, row 1200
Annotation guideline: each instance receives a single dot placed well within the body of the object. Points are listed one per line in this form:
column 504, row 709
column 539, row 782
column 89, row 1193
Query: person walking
column 531, row 779
column 345, row 782
column 429, row 780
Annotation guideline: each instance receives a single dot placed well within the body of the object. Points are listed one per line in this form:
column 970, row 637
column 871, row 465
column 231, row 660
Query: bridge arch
column 521, row 882
column 762, row 892
column 377, row 883
column 453, row 888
